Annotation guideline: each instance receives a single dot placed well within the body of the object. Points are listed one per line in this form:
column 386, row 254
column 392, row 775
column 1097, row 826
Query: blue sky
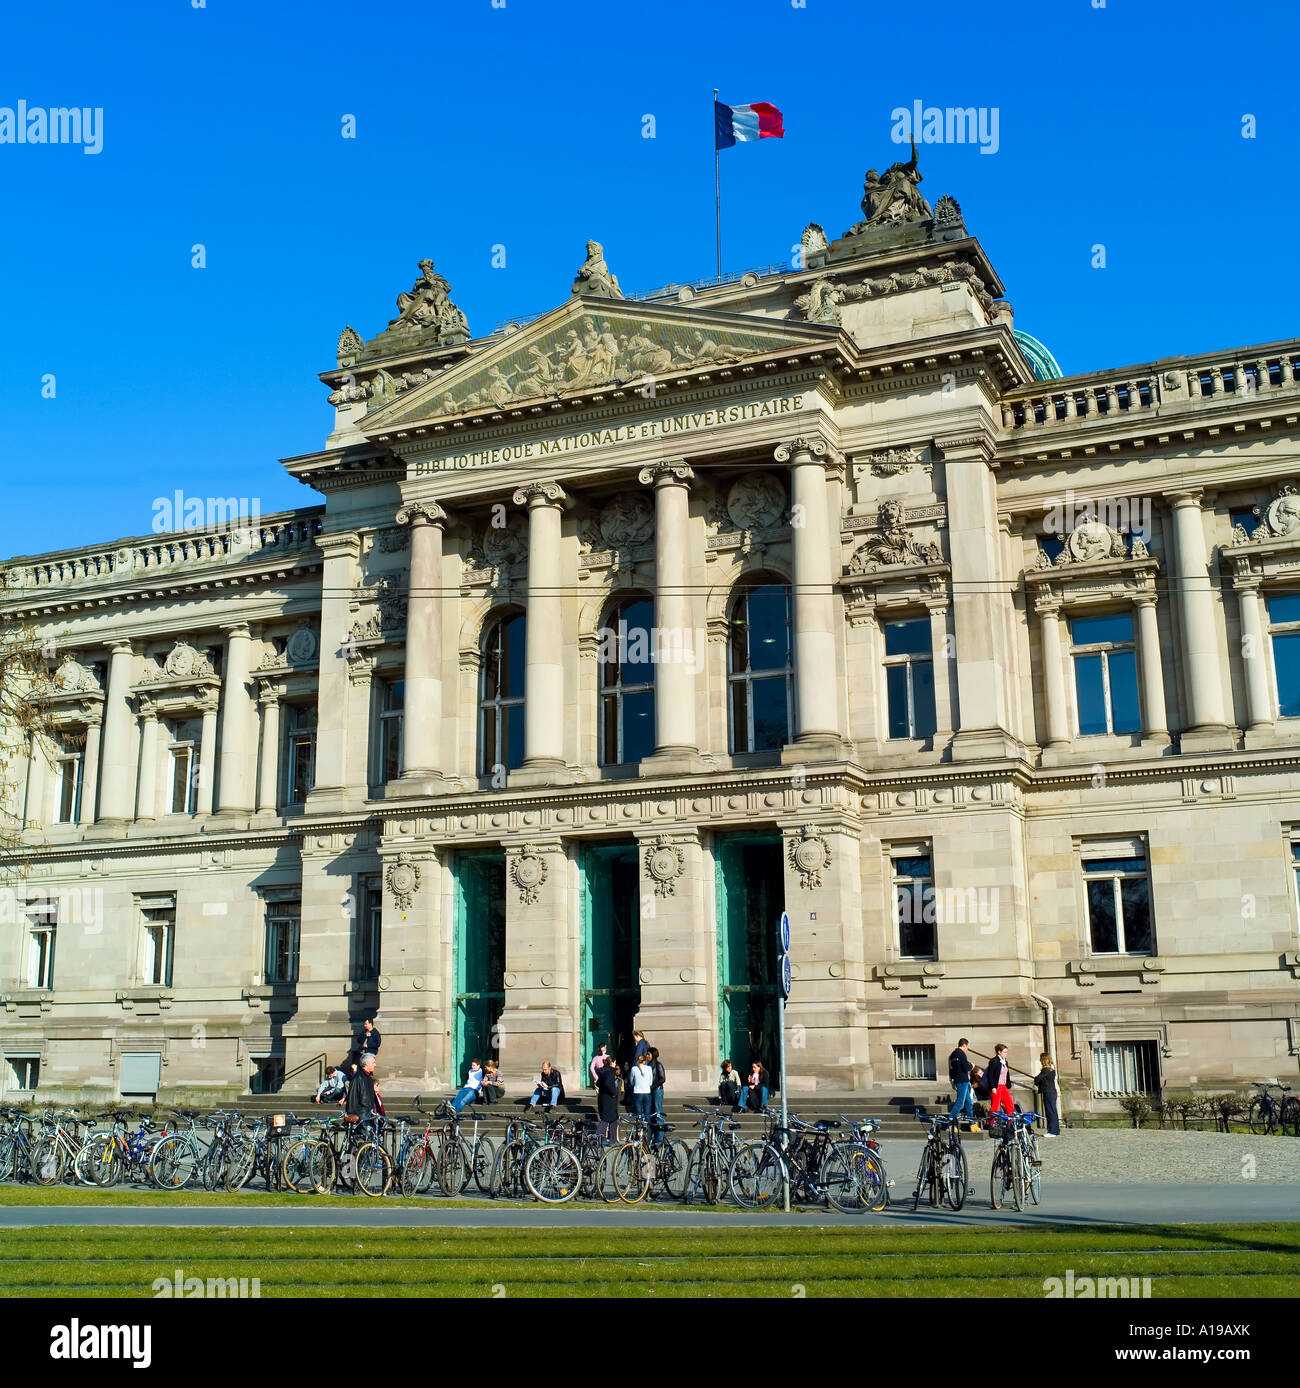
column 521, row 126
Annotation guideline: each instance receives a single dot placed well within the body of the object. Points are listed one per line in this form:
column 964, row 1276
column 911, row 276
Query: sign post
column 783, row 939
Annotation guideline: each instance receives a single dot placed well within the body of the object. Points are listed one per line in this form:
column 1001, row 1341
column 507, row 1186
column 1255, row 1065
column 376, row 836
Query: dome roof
column 1044, row 363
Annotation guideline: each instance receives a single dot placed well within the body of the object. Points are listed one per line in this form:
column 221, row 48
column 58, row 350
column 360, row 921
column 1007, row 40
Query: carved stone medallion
column 1283, row 512
column 756, row 502
column 810, row 856
column 302, row 646
column 403, row 879
column 1093, row 540
column 184, row 662
column 73, row 677
column 528, row 871
column 664, row 864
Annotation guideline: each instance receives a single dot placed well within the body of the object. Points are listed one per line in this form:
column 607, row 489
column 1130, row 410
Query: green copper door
column 611, row 949
column 480, row 956
column 751, row 897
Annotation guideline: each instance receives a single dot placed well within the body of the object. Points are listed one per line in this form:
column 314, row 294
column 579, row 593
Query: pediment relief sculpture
column 626, row 520
column 1092, row 542
column 1280, row 519
column 183, row 664
column 756, row 502
column 893, row 544
column 74, row 678
column 822, row 302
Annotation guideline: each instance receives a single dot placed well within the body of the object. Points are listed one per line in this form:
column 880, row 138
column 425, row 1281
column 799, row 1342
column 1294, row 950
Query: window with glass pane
column 24, row 1071
column 1284, row 632
column 1295, row 864
column 627, row 694
column 300, row 753
column 501, row 700
column 1105, row 674
column 391, row 715
column 69, row 772
column 184, row 753
column 282, row 918
column 1119, row 906
column 909, row 678
column 914, row 907
column 759, row 668
column 369, row 928
column 42, row 921
column 158, row 945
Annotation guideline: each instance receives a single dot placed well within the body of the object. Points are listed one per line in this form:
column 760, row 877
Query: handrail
column 320, row 1061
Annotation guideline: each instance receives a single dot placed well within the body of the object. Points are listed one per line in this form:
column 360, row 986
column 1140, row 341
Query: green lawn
column 1183, row 1260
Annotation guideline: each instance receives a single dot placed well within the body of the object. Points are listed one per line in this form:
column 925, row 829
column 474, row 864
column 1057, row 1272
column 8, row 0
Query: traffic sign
column 786, row 977
column 783, row 932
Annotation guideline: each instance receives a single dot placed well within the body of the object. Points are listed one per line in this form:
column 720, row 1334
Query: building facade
column 622, row 629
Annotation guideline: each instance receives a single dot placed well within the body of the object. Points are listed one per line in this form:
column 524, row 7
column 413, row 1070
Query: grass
column 1258, row 1260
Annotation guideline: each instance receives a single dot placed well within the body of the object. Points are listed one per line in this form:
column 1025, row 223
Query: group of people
column 352, row 1082
column 993, row 1084
column 737, row 1091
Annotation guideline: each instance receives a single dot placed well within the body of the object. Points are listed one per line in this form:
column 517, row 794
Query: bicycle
column 943, row 1175
column 1267, row 1115
column 122, row 1155
column 1010, row 1170
column 552, row 1171
column 16, row 1146
column 869, row 1162
column 56, row 1149
column 177, row 1157
column 801, row 1157
column 709, row 1165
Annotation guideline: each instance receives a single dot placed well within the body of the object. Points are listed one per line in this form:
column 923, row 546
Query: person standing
column 657, row 1085
column 368, row 1042
column 959, row 1076
column 642, row 1048
column 1045, row 1083
column 729, row 1087
column 607, row 1087
column 362, row 1100
column 643, row 1078
column 997, row 1080
column 473, row 1083
column 600, row 1059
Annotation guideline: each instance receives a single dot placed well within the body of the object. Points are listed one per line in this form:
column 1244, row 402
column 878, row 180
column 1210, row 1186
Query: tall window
column 501, row 697
column 184, row 762
column 909, row 678
column 1119, row 904
column 1105, row 674
column 627, row 691
column 369, row 927
column 42, row 921
column 299, row 752
column 157, row 941
column 914, row 906
column 1284, row 632
column 391, row 714
column 68, row 771
column 283, row 915
column 759, row 665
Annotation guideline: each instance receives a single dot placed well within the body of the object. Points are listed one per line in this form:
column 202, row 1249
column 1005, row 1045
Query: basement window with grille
column 1120, row 1068
column 914, row 1063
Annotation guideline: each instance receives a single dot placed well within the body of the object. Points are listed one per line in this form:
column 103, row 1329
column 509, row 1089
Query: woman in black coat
column 607, row 1085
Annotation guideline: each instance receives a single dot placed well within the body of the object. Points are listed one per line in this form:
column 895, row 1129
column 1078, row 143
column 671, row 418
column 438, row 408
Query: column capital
column 269, row 693
column 1144, row 598
column 535, row 494
column 1047, row 603
column 123, row 647
column 340, row 544
column 415, row 513
column 146, row 709
column 1185, row 496
column 238, row 631
column 807, row 449
column 670, row 472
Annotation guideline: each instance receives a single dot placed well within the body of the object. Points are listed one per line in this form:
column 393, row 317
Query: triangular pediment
column 585, row 345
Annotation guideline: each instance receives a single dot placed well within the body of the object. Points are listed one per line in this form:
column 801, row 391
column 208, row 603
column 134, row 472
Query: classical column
column 32, row 813
column 422, row 726
column 1259, row 699
column 543, row 647
column 236, row 723
column 1058, row 719
column 334, row 776
column 940, row 667
column 1198, row 627
column 90, row 770
column 117, row 798
column 146, row 793
column 207, row 754
column 1154, row 721
column 816, row 720
column 676, row 638
column 268, row 782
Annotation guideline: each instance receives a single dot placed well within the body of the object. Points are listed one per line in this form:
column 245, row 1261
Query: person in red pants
column 997, row 1078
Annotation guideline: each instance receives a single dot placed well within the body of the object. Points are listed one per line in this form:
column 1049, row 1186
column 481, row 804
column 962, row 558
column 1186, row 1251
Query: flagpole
column 717, row 183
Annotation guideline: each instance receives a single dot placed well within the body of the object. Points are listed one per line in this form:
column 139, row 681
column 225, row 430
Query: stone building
column 621, row 629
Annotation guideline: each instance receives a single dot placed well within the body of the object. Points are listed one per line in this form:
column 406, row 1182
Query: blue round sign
column 783, row 932
column 786, row 977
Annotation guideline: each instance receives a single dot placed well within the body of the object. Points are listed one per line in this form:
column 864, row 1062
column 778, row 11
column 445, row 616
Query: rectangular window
column 914, row 1063
column 299, row 753
column 391, row 713
column 68, row 772
column 184, row 753
column 1119, row 904
column 909, row 678
column 1120, row 1068
column 1284, row 632
column 24, row 1072
column 42, row 921
column 157, row 941
column 1295, row 868
column 914, row 908
column 1105, row 674
column 268, row 1074
column 369, row 925
column 283, row 916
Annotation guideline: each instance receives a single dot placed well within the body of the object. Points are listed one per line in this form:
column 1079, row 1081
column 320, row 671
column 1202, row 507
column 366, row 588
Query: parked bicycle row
column 835, row 1163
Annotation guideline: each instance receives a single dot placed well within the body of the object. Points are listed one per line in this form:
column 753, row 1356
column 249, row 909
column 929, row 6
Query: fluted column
column 422, row 726
column 675, row 637
column 1058, row 719
column 816, row 720
column 1198, row 624
column 1259, row 698
column 207, row 755
column 268, row 782
column 337, row 779
column 117, row 798
column 32, row 811
column 1154, row 721
column 90, row 771
column 236, row 790
column 543, row 647
column 146, row 794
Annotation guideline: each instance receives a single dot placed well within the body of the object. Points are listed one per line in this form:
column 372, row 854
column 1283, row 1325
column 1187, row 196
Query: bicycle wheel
column 214, row 1166
column 758, row 1177
column 172, row 1164
column 8, row 1156
column 308, row 1167
column 874, row 1180
column 924, row 1177
column 999, row 1178
column 553, row 1173
column 703, row 1179
column 1018, row 1179
column 634, row 1174
column 841, row 1178
column 240, row 1160
column 1033, row 1170
column 670, row 1168
column 81, row 1166
column 1259, row 1116
column 417, row 1170
column 374, row 1169
column 507, row 1171
column 48, row 1162
column 453, row 1167
column 606, row 1186
column 1290, row 1117
column 954, row 1179
column 482, row 1156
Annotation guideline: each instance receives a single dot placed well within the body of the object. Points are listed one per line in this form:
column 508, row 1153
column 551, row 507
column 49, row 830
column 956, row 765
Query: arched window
column 501, row 695
column 759, row 667
column 627, row 691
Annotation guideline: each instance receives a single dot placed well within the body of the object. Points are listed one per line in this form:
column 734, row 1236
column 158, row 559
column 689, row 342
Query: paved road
column 1064, row 1204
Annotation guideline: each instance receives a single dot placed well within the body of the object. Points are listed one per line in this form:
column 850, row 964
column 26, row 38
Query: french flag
column 759, row 121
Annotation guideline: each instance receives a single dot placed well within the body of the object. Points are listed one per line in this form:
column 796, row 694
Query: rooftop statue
column 594, row 277
column 428, row 306
column 894, row 198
